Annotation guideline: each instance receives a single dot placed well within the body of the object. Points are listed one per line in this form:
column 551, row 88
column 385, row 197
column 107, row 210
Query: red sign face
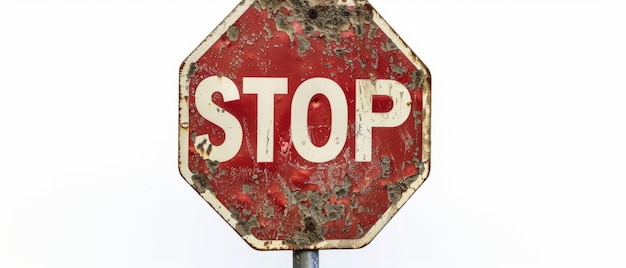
column 305, row 126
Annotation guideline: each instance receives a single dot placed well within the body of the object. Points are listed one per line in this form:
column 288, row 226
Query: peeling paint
column 333, row 211
column 284, row 26
column 417, row 79
column 304, row 45
column 343, row 190
column 212, row 165
column 395, row 191
column 193, row 67
column 233, row 33
column 269, row 212
column 246, row 189
column 244, row 227
column 201, row 183
column 398, row 69
column 416, row 119
column 388, row 46
column 340, row 51
column 385, row 162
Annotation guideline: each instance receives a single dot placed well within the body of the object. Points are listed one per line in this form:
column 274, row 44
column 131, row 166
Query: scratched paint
column 291, row 202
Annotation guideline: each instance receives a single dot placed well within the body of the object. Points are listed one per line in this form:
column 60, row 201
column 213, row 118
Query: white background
column 528, row 138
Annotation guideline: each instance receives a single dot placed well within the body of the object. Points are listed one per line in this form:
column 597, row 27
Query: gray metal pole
column 306, row 259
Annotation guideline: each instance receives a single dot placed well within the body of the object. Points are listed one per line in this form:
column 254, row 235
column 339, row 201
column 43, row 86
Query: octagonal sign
column 304, row 124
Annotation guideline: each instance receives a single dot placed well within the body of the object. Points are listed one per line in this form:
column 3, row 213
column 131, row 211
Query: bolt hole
column 309, row 223
column 312, row 14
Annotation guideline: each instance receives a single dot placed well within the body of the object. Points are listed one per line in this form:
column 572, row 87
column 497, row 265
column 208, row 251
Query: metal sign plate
column 304, row 124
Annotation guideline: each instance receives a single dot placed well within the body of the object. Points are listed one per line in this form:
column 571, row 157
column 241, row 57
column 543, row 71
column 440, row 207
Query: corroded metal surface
column 304, row 124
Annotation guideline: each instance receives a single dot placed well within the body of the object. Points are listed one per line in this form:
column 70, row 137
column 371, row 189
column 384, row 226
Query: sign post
column 306, row 259
column 304, row 124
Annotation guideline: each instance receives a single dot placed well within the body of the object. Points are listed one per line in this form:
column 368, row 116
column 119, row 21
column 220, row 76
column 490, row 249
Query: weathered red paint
column 343, row 198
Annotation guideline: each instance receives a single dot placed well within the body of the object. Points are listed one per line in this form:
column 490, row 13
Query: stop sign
column 305, row 125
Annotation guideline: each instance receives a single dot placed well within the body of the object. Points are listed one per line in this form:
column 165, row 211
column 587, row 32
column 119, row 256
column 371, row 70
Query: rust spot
column 385, row 163
column 244, row 227
column 416, row 119
column 373, row 30
column 417, row 79
column 343, row 190
column 375, row 57
column 398, row 68
column 340, row 51
column 212, row 165
column 304, row 45
column 268, row 32
column 420, row 165
column 246, row 189
column 193, row 68
column 388, row 46
column 234, row 213
column 201, row 182
column 233, row 33
column 362, row 62
column 395, row 191
column 269, row 212
column 333, row 212
column 271, row 5
column 247, row 212
column 284, row 26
